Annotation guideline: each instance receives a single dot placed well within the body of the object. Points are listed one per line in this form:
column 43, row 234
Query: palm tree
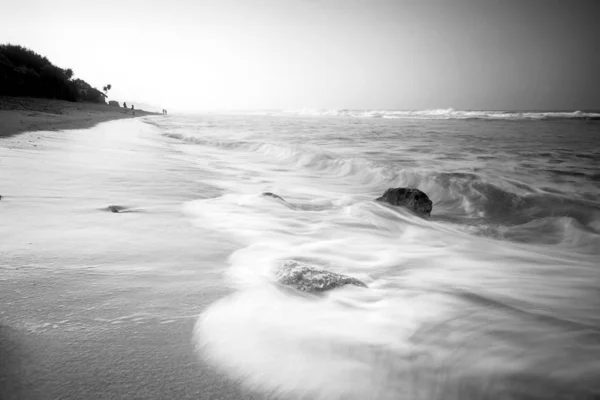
column 107, row 88
column 69, row 73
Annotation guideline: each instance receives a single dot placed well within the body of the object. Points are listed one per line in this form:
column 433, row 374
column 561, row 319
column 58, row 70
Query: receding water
column 496, row 296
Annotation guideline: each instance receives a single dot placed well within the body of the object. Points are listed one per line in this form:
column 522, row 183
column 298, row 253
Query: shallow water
column 95, row 304
column 495, row 296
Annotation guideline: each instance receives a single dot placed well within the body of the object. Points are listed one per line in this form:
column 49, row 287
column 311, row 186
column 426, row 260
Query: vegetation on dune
column 85, row 92
column 23, row 72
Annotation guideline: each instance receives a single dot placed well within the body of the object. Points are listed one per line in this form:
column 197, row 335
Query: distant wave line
column 447, row 113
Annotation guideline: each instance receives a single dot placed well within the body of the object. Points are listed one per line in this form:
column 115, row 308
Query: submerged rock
column 273, row 195
column 280, row 200
column 307, row 278
column 413, row 199
column 121, row 209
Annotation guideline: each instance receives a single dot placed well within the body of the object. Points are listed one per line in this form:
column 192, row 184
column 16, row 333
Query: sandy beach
column 25, row 114
column 95, row 304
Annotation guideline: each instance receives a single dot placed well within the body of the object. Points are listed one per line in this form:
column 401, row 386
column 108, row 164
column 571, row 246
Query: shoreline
column 98, row 304
column 27, row 114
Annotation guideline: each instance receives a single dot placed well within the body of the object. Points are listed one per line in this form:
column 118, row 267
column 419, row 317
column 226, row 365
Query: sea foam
column 495, row 296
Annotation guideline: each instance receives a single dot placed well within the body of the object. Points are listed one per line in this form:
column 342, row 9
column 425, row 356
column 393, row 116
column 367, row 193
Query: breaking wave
column 447, row 113
column 460, row 197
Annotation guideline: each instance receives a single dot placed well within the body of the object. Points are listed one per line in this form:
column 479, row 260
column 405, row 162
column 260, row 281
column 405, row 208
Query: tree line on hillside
column 23, row 72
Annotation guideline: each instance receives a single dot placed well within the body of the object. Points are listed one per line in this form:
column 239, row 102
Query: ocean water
column 497, row 295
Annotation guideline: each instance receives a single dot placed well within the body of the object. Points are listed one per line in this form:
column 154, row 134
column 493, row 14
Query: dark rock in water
column 280, row 199
column 307, row 278
column 412, row 199
column 269, row 194
column 121, row 209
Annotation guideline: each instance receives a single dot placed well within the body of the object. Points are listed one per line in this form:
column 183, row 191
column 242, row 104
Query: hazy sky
column 198, row 54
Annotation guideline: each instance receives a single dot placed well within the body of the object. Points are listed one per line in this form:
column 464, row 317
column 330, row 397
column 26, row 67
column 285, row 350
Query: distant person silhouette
column 125, row 106
column 132, row 109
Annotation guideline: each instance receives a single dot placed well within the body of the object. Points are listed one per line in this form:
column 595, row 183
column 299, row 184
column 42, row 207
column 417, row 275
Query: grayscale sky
column 365, row 54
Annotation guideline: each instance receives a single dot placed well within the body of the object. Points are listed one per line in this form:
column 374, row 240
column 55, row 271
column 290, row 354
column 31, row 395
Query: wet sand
column 25, row 114
column 95, row 304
